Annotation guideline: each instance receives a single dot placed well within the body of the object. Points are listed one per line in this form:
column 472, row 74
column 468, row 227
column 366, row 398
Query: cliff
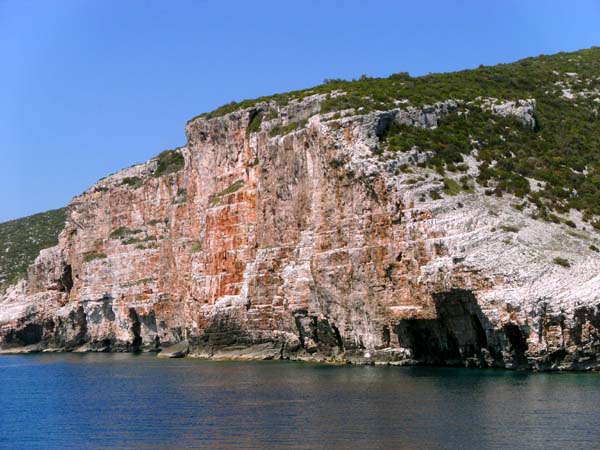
column 288, row 229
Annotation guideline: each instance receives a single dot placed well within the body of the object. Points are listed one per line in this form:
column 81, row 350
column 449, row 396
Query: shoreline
column 253, row 357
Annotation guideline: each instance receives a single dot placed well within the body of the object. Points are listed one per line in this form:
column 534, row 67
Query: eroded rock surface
column 310, row 245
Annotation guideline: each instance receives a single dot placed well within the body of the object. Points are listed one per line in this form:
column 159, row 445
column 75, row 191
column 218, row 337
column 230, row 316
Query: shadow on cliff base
column 461, row 335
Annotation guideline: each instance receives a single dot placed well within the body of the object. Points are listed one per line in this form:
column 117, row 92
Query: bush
column 93, row 255
column 122, row 232
column 561, row 261
column 451, row 187
column 169, row 161
column 181, row 196
column 281, row 130
column 255, row 121
column 216, row 199
column 509, row 228
column 132, row 182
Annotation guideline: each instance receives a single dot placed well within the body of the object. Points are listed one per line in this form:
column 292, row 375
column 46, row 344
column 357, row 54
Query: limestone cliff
column 295, row 234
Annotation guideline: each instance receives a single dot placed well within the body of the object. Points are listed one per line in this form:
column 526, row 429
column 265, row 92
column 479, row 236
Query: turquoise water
column 127, row 401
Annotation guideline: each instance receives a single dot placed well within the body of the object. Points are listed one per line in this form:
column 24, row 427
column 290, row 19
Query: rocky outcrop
column 311, row 243
column 178, row 350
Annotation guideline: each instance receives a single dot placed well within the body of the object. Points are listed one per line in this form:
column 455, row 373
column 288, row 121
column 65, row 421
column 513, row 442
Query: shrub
column 122, row 232
column 561, row 261
column 509, row 228
column 132, row 182
column 281, row 130
column 93, row 255
column 134, row 240
column 451, row 187
column 169, row 161
column 181, row 196
column 255, row 121
column 215, row 199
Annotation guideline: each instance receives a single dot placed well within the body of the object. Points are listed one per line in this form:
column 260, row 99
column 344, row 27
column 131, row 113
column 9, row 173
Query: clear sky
column 89, row 87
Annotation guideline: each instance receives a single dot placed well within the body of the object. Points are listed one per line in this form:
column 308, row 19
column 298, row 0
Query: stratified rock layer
column 313, row 245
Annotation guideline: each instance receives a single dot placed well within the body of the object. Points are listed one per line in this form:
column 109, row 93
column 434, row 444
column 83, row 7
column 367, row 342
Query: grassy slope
column 21, row 241
column 563, row 151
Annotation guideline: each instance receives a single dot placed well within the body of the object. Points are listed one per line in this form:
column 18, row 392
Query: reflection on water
column 127, row 401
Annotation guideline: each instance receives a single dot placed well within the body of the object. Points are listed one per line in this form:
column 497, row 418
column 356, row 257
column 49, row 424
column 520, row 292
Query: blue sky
column 89, row 87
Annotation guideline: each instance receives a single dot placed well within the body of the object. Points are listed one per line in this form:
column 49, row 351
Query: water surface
column 127, row 401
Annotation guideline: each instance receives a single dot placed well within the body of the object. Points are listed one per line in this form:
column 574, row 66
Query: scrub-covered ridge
column 22, row 239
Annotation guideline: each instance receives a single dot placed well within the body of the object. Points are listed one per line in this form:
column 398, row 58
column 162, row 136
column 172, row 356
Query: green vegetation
column 181, row 196
column 255, row 121
column 451, row 187
column 127, row 236
column 216, row 199
column 280, row 130
column 435, row 195
column 509, row 228
column 280, row 99
column 336, row 116
column 196, row 247
column 561, row 261
column 123, row 232
column 21, row 241
column 136, row 282
column 504, row 81
column 169, row 161
column 134, row 240
column 93, row 255
column 132, row 182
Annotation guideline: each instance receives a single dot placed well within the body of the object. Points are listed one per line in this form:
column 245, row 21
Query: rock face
column 313, row 245
column 178, row 350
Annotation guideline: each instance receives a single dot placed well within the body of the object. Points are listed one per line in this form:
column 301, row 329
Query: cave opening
column 517, row 341
column 428, row 342
column 135, row 330
column 457, row 336
column 30, row 334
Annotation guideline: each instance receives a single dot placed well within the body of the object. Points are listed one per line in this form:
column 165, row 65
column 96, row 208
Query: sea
column 126, row 401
